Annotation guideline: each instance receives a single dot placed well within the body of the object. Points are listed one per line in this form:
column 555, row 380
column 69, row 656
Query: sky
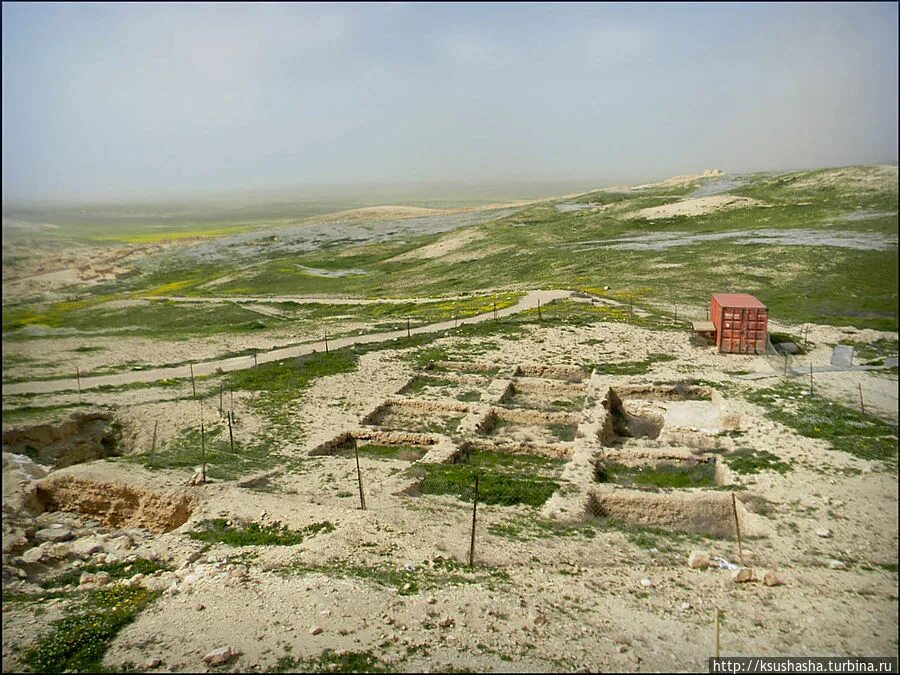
column 105, row 99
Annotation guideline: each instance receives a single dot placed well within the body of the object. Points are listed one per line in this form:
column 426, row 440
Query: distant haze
column 111, row 101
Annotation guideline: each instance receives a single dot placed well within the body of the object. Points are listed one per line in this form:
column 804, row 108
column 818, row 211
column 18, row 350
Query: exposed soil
column 695, row 206
column 84, row 437
column 586, row 589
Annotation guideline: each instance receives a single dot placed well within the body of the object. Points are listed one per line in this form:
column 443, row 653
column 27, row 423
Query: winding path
column 529, row 301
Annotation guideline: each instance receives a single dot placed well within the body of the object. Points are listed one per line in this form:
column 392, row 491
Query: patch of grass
column 469, row 396
column 77, row 643
column 659, row 475
column 750, row 461
column 433, row 423
column 420, row 382
column 30, row 413
column 504, row 478
column 510, row 461
column 219, row 531
column 185, row 451
column 159, row 318
column 564, row 432
column 575, row 403
column 664, row 540
column 406, row 453
column 116, row 571
column 862, row 436
column 531, row 528
column 435, row 573
column 632, row 367
column 332, row 662
column 282, row 383
column 873, row 353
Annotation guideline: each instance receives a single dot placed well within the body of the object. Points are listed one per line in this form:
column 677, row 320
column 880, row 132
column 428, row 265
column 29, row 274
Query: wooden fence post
column 717, row 631
column 78, row 382
column 153, row 445
column 862, row 405
column 193, row 386
column 202, row 453
column 362, row 497
column 230, row 432
column 737, row 527
column 474, row 512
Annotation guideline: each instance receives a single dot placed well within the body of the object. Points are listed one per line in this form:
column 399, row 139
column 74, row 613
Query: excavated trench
column 670, row 473
column 82, row 438
column 405, row 446
column 704, row 513
column 572, row 374
column 115, row 504
column 543, row 396
column 528, row 426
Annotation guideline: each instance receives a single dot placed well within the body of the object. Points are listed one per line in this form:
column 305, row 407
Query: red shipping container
column 741, row 323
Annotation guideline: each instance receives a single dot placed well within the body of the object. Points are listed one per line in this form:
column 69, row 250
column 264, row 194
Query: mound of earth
column 697, row 206
column 441, row 248
column 855, row 178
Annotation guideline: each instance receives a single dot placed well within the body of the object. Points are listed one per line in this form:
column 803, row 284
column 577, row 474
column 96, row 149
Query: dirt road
column 529, row 301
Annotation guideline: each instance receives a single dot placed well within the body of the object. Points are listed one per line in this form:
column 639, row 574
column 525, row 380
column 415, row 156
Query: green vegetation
column 218, row 530
column 663, row 540
column 31, row 413
column 493, row 488
column 160, row 318
column 860, row 435
column 331, row 662
column 631, row 367
column 574, row 403
column 186, row 451
column 116, row 571
column 537, row 246
column 281, row 384
column 435, row 573
column 503, row 478
column 421, row 382
column 750, row 461
column 873, row 353
column 659, row 475
column 431, row 423
column 564, row 432
column 78, row 642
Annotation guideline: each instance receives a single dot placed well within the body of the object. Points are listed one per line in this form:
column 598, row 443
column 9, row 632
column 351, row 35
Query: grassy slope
column 540, row 247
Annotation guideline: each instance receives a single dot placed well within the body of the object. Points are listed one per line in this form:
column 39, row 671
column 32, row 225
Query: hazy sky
column 105, row 99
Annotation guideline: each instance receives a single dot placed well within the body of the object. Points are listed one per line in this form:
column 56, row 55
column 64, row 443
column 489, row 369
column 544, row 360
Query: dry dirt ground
column 538, row 599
